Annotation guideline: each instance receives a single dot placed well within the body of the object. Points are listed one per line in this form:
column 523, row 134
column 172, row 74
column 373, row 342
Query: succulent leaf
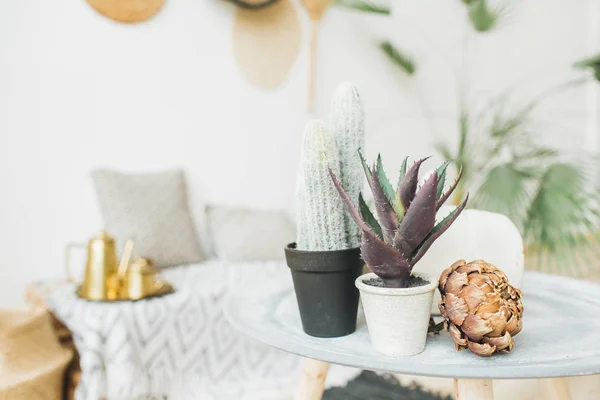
column 445, row 196
column 391, row 247
column 437, row 231
column 383, row 180
column 385, row 212
column 366, row 168
column 368, row 216
column 349, row 205
column 385, row 261
column 402, row 170
column 399, row 207
column 389, row 191
column 441, row 171
column 408, row 187
column 419, row 218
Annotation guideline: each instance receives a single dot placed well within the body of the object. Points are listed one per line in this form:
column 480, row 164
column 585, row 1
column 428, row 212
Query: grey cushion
column 243, row 234
column 152, row 209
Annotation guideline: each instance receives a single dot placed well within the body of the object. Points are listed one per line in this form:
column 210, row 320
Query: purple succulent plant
column 405, row 227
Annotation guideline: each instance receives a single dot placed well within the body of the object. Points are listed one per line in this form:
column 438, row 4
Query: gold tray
column 162, row 288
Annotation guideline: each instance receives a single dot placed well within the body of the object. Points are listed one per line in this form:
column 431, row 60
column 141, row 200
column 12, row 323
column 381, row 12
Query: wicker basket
column 32, row 362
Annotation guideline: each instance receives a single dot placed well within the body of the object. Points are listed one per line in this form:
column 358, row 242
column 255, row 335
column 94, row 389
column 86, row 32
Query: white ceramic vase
column 397, row 319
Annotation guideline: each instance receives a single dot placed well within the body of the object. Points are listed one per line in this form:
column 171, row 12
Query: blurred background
column 222, row 92
column 223, row 88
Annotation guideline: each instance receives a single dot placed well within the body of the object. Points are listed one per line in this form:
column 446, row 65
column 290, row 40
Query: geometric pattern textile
column 178, row 346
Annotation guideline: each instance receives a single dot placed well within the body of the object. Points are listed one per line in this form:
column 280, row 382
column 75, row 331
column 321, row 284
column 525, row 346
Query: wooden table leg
column 312, row 383
column 473, row 389
column 555, row 389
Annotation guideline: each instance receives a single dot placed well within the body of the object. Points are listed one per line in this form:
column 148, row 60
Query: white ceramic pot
column 397, row 319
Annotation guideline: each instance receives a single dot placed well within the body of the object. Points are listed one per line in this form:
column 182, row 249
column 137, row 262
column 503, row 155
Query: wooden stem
column 555, row 389
column 312, row 67
column 312, row 383
column 473, row 389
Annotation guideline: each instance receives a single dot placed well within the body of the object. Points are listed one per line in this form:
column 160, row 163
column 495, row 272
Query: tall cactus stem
column 323, row 227
column 301, row 229
column 347, row 125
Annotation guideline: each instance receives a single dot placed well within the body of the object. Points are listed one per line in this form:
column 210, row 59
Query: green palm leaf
column 561, row 216
column 444, row 150
column 364, row 6
column 401, row 60
column 592, row 63
column 504, row 190
column 482, row 16
column 508, row 170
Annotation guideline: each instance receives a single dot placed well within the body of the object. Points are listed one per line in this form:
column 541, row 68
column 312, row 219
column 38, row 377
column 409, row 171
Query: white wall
column 79, row 91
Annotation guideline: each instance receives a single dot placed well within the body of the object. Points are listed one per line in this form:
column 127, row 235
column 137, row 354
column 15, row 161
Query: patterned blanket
column 178, row 346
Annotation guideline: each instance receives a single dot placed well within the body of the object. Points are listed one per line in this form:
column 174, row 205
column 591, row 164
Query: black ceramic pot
column 325, row 291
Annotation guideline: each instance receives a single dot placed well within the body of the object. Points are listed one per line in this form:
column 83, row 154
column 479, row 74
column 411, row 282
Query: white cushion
column 476, row 234
column 244, row 234
column 152, row 209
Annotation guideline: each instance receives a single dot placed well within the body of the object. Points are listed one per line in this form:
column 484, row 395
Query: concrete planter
column 397, row 319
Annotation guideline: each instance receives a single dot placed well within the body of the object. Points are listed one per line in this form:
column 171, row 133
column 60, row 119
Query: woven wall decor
column 315, row 9
column 127, row 10
column 266, row 42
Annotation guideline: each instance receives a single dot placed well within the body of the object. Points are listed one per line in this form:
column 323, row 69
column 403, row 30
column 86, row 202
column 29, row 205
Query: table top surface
column 560, row 337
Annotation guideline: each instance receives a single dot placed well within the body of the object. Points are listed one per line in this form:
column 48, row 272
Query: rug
column 371, row 386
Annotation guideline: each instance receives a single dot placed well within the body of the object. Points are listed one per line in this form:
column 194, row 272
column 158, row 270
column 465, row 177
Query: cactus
column 347, row 125
column 301, row 230
column 322, row 220
column 322, row 210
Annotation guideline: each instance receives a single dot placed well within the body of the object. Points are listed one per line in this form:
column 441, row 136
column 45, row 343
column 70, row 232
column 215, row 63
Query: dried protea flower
column 481, row 310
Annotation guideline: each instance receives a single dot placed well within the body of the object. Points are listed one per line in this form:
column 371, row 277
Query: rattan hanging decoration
column 266, row 43
column 315, row 9
column 129, row 11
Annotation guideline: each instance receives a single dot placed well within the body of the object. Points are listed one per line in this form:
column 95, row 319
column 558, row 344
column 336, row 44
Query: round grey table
column 560, row 338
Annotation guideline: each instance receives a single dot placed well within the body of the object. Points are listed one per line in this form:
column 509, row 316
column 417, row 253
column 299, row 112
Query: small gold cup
column 140, row 279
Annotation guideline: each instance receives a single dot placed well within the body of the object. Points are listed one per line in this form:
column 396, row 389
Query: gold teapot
column 101, row 278
column 105, row 279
